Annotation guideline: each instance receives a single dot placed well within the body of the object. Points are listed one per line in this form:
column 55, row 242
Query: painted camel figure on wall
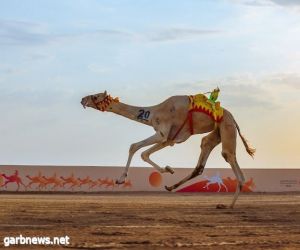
column 109, row 183
column 216, row 179
column 127, row 183
column 54, row 181
column 38, row 179
column 72, row 180
column 102, row 182
column 15, row 178
column 84, row 181
column 169, row 121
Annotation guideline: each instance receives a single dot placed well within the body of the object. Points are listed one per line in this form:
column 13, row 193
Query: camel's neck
column 138, row 114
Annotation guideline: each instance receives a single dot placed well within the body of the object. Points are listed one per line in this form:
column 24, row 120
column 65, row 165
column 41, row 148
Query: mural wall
column 96, row 179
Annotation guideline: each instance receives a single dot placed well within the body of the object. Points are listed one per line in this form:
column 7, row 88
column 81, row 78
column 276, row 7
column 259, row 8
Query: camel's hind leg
column 208, row 143
column 228, row 137
column 135, row 147
column 25, row 187
column 146, row 154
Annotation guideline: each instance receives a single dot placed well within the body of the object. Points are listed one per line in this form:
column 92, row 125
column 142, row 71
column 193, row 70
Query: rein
column 105, row 103
column 189, row 120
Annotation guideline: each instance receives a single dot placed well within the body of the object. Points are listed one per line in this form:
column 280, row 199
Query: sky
column 54, row 52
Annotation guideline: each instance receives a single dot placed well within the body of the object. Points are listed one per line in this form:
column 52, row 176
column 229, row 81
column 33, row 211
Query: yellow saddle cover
column 200, row 103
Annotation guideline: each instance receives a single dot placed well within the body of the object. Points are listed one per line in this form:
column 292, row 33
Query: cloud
column 271, row 91
column 113, row 34
column 287, row 80
column 28, row 97
column 247, row 91
column 173, row 34
column 39, row 56
column 288, row 3
column 98, row 69
column 249, row 96
column 21, row 33
column 162, row 35
column 12, row 71
column 16, row 33
column 285, row 3
column 242, row 92
column 253, row 2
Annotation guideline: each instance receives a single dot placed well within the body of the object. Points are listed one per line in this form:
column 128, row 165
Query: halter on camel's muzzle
column 105, row 103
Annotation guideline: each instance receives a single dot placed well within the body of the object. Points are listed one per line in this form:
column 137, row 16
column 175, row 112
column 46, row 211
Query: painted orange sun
column 155, row 179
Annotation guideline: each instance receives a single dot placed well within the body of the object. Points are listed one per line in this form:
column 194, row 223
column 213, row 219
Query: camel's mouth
column 84, row 102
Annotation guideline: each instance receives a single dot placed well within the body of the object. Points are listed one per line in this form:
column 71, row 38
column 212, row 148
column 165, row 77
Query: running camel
column 174, row 121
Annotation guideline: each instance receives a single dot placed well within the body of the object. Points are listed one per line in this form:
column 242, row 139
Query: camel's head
column 99, row 101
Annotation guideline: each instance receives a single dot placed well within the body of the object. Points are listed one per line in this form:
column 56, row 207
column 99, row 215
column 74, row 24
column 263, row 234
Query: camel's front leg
column 146, row 154
column 207, row 145
column 5, row 184
column 135, row 147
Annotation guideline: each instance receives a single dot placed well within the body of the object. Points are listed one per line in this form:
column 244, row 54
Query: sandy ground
column 154, row 220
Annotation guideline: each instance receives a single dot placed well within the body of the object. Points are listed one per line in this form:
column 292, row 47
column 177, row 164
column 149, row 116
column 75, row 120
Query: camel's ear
column 105, row 93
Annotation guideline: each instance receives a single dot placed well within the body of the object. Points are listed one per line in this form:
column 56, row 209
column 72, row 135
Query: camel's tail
column 250, row 151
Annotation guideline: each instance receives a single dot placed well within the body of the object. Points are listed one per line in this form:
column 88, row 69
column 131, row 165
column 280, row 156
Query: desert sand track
column 154, row 220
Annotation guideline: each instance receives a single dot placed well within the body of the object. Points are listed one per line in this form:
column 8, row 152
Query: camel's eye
column 94, row 98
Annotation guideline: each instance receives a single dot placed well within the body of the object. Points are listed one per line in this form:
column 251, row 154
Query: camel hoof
column 118, row 182
column 168, row 188
column 169, row 169
column 221, row 206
